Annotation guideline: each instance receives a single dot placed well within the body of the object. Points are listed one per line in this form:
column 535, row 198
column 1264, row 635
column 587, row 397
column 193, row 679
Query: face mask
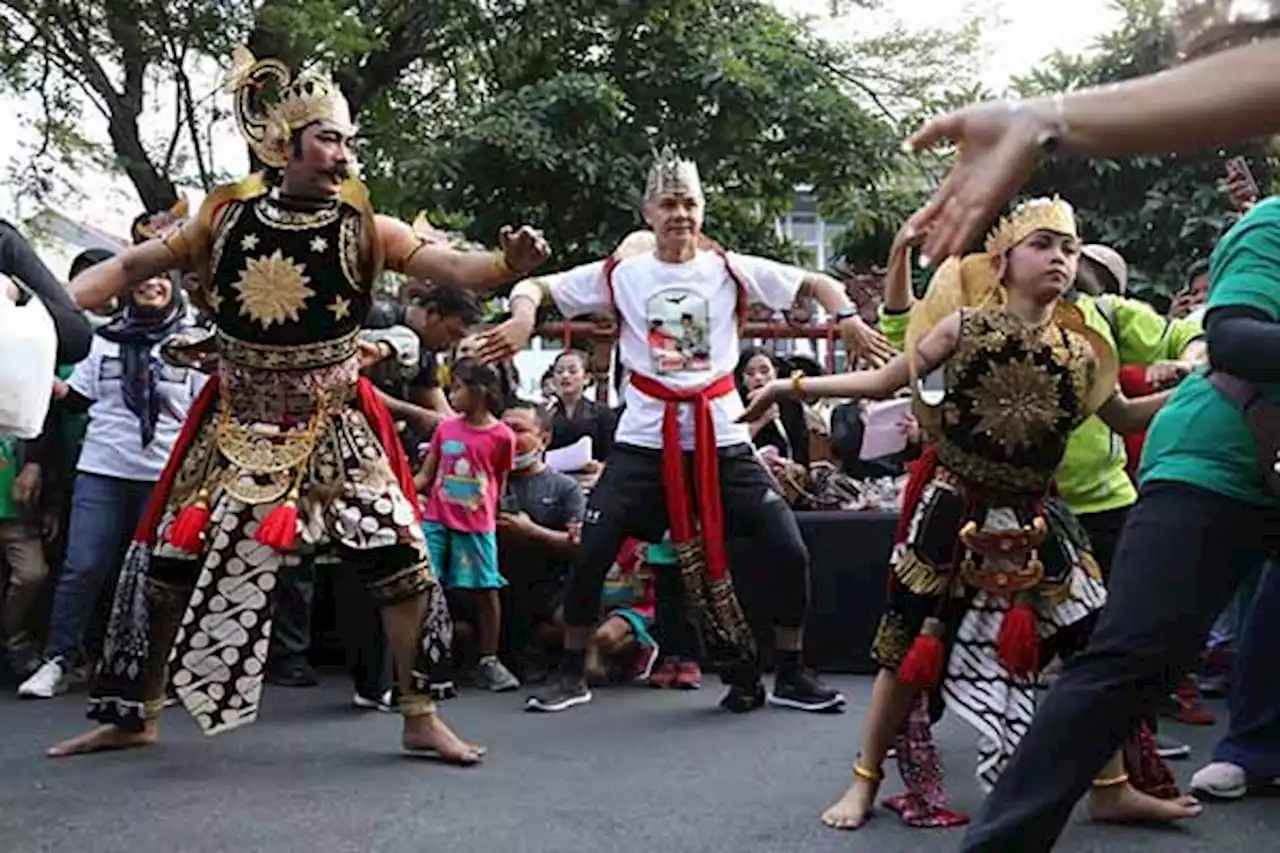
column 524, row 461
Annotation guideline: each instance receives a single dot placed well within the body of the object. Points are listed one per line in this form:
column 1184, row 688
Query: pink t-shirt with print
column 471, row 466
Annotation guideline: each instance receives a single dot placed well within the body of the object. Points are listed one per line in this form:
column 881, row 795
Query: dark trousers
column 356, row 618
column 1253, row 741
column 291, row 624
column 629, row 501
column 1104, row 530
column 1181, row 555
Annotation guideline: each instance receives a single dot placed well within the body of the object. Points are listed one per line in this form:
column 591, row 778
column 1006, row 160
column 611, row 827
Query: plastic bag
column 28, row 359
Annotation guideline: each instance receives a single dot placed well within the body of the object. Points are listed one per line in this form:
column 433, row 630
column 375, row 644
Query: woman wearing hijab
column 136, row 405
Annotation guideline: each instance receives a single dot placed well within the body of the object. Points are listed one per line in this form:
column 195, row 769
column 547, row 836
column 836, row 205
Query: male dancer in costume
column 287, row 451
column 680, row 417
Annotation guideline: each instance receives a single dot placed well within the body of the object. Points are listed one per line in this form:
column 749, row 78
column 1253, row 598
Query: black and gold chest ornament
column 283, row 274
column 1013, row 394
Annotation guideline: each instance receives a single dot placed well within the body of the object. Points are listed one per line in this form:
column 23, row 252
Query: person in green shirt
column 1204, row 521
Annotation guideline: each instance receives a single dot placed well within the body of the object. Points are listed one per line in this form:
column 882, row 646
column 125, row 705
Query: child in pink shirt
column 463, row 477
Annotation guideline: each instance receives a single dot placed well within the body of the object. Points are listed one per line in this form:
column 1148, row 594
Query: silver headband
column 671, row 174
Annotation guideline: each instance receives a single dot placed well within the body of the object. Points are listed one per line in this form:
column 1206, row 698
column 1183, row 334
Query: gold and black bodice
column 1013, row 395
column 287, row 282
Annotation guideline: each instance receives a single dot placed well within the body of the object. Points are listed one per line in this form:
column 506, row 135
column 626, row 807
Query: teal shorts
column 463, row 560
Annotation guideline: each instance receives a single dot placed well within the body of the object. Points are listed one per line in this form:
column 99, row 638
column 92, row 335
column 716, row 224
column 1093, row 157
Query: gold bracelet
column 860, row 772
column 1111, row 781
column 796, row 388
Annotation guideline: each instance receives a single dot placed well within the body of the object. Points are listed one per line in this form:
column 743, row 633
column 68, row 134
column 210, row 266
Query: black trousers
column 1104, row 530
column 1181, row 555
column 629, row 501
column 356, row 618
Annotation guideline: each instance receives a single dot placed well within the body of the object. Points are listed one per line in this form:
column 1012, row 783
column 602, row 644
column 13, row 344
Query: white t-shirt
column 679, row 327
column 113, row 441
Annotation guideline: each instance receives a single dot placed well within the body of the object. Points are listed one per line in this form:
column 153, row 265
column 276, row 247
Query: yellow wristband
column 796, row 388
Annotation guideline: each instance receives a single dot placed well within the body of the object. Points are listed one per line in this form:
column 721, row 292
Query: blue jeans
column 104, row 513
column 1254, row 739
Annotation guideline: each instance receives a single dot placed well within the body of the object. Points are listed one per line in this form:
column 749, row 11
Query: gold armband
column 796, row 388
column 176, row 242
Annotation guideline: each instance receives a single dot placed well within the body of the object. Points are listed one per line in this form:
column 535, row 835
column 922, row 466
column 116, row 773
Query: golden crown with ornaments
column 271, row 104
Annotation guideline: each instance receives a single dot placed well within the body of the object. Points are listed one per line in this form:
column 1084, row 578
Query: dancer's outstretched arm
column 878, row 384
column 1233, row 95
column 522, row 250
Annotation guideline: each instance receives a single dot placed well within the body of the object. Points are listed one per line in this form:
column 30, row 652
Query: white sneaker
column 364, row 703
column 48, row 681
column 493, row 676
column 1220, row 780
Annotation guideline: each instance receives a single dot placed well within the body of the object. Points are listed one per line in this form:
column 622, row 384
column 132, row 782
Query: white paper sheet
column 883, row 432
column 572, row 458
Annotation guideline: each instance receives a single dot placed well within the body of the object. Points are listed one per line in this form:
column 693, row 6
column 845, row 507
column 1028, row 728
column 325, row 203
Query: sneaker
column 442, row 690
column 743, row 698
column 562, row 694
column 493, row 675
column 802, row 690
column 1167, row 747
column 292, row 674
column 664, row 675
column 688, row 675
column 1189, row 709
column 1220, row 780
column 380, row 702
column 48, row 681
column 646, row 657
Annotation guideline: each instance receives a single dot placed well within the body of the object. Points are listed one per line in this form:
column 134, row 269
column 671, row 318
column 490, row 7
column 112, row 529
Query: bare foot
column 1126, row 804
column 102, row 739
column 853, row 809
column 429, row 736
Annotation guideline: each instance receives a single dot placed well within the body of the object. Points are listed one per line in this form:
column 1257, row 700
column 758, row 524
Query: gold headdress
column 1039, row 214
column 974, row 282
column 268, row 118
column 671, row 174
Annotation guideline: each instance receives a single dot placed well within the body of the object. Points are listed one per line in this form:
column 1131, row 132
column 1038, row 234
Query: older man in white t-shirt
column 679, row 305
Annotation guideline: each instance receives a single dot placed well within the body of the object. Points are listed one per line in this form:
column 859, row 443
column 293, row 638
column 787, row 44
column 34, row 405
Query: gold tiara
column 271, row 104
column 1039, row 214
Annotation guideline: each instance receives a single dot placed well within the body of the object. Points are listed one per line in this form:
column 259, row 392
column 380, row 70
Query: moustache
column 340, row 171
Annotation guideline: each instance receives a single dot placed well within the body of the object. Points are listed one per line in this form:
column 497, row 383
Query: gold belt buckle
column 1010, row 563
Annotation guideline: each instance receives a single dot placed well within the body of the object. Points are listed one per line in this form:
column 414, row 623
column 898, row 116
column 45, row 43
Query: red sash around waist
column 706, row 465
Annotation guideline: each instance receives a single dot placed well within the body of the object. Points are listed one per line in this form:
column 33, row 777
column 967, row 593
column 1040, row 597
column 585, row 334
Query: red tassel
column 923, row 664
column 279, row 529
column 186, row 531
column 1018, row 644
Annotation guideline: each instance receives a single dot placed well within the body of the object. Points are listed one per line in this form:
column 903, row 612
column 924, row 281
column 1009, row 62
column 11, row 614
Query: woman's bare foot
column 1126, row 804
column 853, row 809
column 102, row 739
column 428, row 735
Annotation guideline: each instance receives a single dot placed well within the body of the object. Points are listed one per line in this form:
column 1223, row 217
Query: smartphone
column 1238, row 169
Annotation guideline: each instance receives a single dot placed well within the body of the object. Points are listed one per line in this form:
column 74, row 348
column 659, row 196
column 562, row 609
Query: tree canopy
column 1161, row 212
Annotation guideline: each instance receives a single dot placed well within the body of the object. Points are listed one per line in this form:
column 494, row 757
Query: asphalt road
column 638, row 770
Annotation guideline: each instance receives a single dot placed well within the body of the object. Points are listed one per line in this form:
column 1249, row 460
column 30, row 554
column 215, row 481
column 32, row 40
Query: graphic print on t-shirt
column 458, row 483
column 679, row 324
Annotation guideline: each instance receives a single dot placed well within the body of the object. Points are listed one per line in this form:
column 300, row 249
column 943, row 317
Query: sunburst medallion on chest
column 273, row 289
